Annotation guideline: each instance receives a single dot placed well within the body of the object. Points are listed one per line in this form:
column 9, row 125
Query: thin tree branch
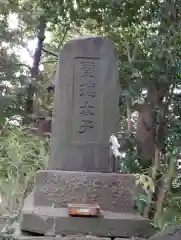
column 49, row 52
column 52, row 61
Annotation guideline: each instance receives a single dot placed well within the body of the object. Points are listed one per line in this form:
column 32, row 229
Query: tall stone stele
column 85, row 115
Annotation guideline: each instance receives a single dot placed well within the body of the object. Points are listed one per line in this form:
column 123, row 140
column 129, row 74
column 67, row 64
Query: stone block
column 39, row 220
column 132, row 238
column 20, row 235
column 86, row 105
column 113, row 192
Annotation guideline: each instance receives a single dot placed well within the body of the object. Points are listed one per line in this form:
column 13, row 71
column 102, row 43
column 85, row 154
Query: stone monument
column 85, row 115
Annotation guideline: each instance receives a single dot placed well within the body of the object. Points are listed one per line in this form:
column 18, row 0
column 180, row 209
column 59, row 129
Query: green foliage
column 21, row 155
column 171, row 214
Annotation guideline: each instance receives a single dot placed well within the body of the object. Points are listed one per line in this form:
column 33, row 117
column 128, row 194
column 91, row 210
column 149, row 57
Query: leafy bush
column 21, row 155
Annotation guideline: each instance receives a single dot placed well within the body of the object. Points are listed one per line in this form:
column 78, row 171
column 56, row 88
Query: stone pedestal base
column 45, row 210
column 113, row 192
column 19, row 235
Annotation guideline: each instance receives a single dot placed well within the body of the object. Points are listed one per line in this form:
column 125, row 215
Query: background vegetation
column 147, row 36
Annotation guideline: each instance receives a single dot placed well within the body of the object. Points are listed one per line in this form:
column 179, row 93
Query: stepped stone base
column 45, row 210
column 56, row 221
column 19, row 235
column 25, row 236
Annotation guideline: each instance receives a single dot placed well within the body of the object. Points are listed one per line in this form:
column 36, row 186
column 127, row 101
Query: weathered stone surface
column 86, row 105
column 132, row 238
column 172, row 233
column 20, row 235
column 62, row 238
column 124, row 225
column 113, row 192
column 24, row 236
column 39, row 220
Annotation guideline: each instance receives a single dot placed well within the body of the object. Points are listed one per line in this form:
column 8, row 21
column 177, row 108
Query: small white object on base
column 115, row 146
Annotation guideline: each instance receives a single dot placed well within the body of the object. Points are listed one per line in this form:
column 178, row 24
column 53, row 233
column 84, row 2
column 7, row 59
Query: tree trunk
column 129, row 116
column 149, row 130
column 31, row 104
